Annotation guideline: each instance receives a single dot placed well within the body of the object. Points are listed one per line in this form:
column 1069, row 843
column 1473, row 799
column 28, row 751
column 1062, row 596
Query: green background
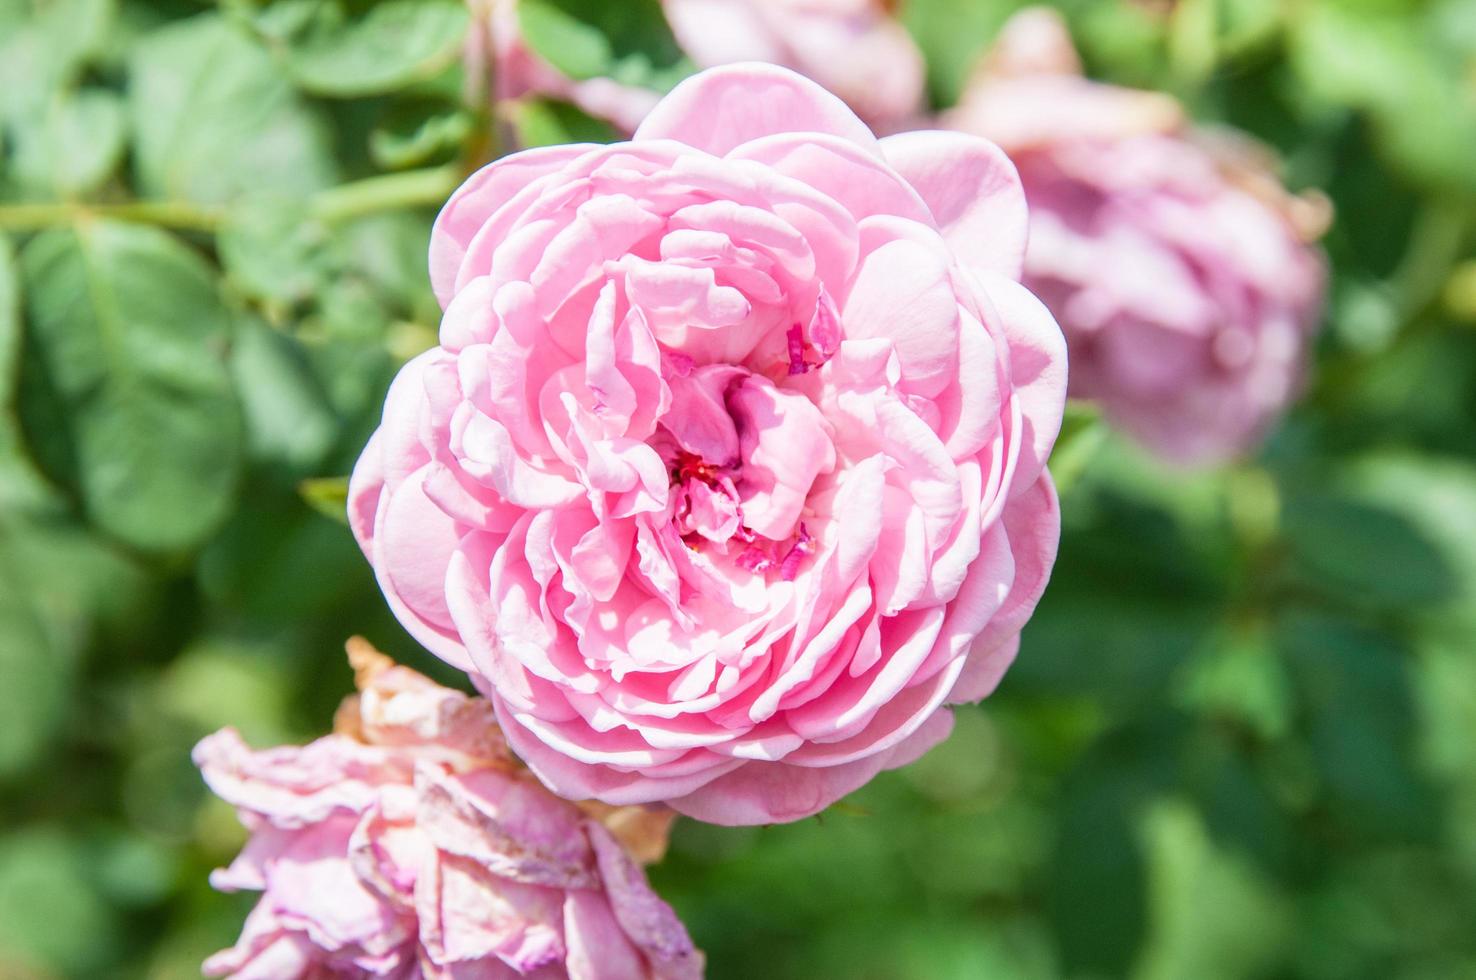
column 1240, row 739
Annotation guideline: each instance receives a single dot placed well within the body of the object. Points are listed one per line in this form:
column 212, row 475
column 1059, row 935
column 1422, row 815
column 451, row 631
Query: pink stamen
column 803, row 545
column 796, row 340
column 753, row 560
column 825, row 332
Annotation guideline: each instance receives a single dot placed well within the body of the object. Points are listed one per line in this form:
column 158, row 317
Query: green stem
column 430, row 186
column 412, row 188
column 170, row 214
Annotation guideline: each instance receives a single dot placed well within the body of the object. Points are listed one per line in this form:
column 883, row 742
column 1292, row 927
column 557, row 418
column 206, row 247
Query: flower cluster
column 409, row 844
column 727, row 476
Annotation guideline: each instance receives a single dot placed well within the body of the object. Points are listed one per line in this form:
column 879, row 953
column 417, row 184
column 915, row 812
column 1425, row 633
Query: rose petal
column 719, row 109
column 974, row 192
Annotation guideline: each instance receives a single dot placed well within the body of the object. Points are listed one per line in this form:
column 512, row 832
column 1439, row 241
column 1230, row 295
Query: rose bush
column 728, row 473
column 854, row 48
column 1178, row 266
column 409, row 845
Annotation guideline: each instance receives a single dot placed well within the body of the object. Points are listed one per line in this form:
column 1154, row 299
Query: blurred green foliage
column 1238, row 741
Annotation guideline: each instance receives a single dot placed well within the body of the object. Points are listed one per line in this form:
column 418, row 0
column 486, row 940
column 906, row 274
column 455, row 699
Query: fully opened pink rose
column 1180, row 269
column 408, row 845
column 728, row 474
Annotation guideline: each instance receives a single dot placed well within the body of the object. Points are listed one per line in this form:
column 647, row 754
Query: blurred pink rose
column 855, row 48
column 729, row 470
column 1178, row 266
column 517, row 70
column 408, row 845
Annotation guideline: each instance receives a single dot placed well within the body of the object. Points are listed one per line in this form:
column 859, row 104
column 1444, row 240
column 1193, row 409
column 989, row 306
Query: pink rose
column 729, row 471
column 855, row 48
column 408, row 845
column 517, row 70
column 1178, row 266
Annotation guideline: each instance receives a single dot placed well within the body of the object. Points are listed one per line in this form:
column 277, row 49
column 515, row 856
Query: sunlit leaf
column 214, row 117
column 43, row 45
column 129, row 337
column 628, row 42
column 328, row 495
column 395, row 43
column 76, row 145
column 549, row 122
column 289, row 422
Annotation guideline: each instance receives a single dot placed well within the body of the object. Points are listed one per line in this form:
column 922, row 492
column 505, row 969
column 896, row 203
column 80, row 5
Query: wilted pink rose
column 729, row 470
column 855, row 48
column 1178, row 266
column 409, row 845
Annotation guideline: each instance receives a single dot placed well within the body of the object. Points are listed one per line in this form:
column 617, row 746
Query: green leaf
column 220, row 681
column 1083, row 432
column 417, row 132
column 1193, row 39
column 1237, row 676
column 396, row 43
column 60, row 588
column 82, row 587
column 1213, row 914
column 1436, row 497
column 20, row 482
column 328, row 495
column 285, row 20
column 1358, row 715
column 550, row 122
column 10, row 326
column 274, row 250
column 44, row 44
column 1355, row 549
column 35, row 677
column 75, row 148
column 1355, row 58
column 628, row 42
column 1405, row 74
column 129, row 337
column 214, row 118
column 289, row 422
column 388, row 251
column 278, row 562
column 1097, row 902
column 953, row 35
column 47, row 902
